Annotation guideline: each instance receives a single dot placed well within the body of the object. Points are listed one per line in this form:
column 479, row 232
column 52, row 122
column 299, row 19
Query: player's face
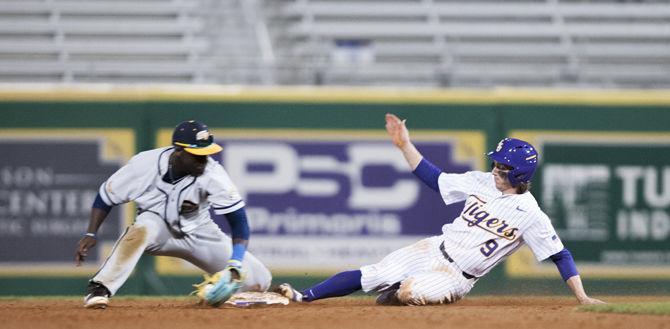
column 188, row 163
column 500, row 172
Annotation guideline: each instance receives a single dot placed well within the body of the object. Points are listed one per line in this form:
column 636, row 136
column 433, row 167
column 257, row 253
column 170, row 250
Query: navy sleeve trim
column 227, row 207
column 100, row 204
column 429, row 174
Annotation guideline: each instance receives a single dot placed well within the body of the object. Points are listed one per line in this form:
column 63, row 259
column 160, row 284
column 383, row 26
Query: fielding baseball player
column 175, row 188
column 500, row 215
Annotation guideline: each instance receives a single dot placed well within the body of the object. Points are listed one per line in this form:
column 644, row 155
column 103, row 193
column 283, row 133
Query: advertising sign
column 608, row 195
column 48, row 181
column 326, row 200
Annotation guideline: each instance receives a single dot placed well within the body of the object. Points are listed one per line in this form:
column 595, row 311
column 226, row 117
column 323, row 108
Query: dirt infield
column 475, row 312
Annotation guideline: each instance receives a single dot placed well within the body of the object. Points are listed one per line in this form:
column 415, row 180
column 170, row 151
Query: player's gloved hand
column 235, row 266
column 218, row 288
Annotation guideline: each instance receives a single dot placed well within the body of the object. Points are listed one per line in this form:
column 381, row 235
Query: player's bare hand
column 397, row 130
column 590, row 301
column 85, row 244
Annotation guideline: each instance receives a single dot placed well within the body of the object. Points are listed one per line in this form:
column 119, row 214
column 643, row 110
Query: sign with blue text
column 335, row 199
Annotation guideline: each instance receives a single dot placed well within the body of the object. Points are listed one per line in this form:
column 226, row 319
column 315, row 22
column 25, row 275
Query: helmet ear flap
column 519, row 178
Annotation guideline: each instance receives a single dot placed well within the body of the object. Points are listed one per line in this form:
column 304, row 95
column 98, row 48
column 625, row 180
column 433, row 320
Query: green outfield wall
column 604, row 178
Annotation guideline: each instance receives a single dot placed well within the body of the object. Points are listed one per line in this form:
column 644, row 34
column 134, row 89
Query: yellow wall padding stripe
column 217, row 93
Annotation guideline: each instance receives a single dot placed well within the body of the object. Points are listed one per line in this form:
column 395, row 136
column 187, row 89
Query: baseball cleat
column 91, row 301
column 97, row 296
column 287, row 291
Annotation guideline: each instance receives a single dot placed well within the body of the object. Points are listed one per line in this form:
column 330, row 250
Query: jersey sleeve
column 542, row 239
column 223, row 195
column 125, row 184
column 455, row 187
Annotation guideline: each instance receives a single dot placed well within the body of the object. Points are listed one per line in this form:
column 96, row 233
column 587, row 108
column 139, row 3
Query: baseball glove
column 218, row 288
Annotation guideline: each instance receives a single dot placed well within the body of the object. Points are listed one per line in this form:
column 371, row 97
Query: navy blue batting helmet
column 519, row 155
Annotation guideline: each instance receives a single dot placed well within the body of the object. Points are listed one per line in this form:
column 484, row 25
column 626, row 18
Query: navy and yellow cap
column 195, row 138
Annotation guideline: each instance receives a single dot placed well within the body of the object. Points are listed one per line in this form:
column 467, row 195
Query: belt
column 451, row 260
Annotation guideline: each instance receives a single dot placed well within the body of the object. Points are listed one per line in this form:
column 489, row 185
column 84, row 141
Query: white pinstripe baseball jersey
column 492, row 225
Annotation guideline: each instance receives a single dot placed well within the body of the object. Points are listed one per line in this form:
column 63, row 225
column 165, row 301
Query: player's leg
column 210, row 249
column 437, row 281
column 392, row 269
column 399, row 265
column 340, row 284
column 145, row 232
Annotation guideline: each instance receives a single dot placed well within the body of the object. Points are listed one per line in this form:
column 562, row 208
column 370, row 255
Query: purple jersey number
column 489, row 247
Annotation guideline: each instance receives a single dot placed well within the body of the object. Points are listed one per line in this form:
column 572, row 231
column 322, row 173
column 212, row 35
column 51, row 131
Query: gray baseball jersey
column 163, row 228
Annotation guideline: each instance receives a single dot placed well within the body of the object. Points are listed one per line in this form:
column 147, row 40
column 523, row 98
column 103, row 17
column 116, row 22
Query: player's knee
column 265, row 279
column 137, row 235
column 259, row 279
column 411, row 293
column 407, row 295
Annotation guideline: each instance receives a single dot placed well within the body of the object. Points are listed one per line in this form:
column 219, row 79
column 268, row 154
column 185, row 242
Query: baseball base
column 251, row 298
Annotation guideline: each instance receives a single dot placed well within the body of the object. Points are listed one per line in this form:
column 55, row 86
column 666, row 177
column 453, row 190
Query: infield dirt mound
column 475, row 312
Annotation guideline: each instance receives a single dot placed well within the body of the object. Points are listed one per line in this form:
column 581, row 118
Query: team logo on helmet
column 202, row 135
column 500, row 145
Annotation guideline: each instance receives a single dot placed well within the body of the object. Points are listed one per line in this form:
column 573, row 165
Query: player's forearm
column 99, row 212
column 239, row 228
column 575, row 285
column 243, row 242
column 411, row 154
column 98, row 216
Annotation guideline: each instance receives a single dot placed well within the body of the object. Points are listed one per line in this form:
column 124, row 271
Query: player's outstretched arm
column 566, row 266
column 99, row 213
column 400, row 136
column 575, row 284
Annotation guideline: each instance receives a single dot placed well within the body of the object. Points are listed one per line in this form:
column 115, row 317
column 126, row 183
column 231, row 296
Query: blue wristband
column 238, row 251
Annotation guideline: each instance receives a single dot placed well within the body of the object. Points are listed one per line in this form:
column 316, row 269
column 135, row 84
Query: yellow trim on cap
column 211, row 149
